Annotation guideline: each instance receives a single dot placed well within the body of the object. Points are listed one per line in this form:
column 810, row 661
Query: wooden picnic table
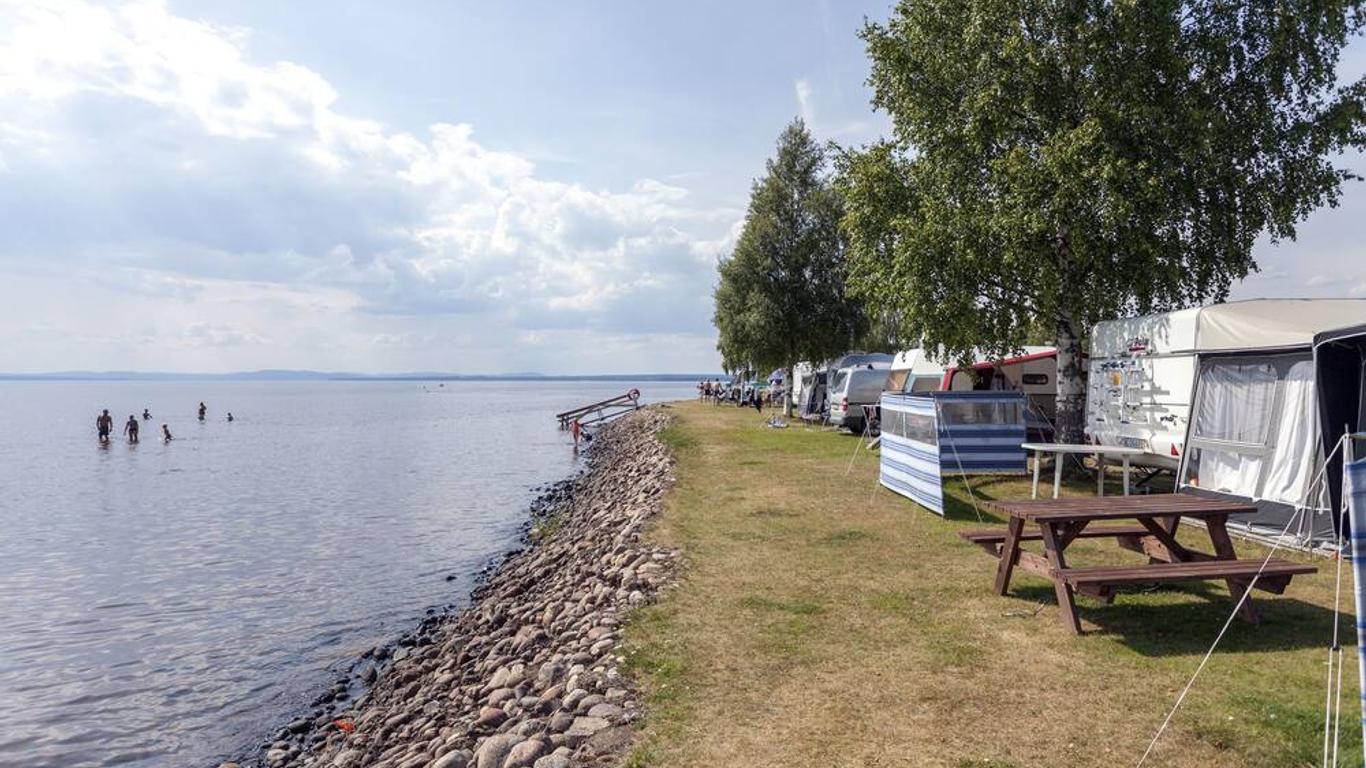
column 1059, row 522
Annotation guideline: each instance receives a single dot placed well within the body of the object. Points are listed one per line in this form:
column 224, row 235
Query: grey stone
column 490, row 717
column 582, row 728
column 571, row 702
column 494, row 750
column 499, row 696
column 457, row 759
column 605, row 710
column 609, row 740
column 347, row 758
column 560, row 721
column 552, row 761
column 588, row 702
column 524, row 754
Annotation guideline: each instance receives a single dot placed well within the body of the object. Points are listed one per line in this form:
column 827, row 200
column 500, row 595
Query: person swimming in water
column 166, row 434
column 131, row 429
column 146, row 415
column 202, row 410
column 229, row 415
column 104, row 425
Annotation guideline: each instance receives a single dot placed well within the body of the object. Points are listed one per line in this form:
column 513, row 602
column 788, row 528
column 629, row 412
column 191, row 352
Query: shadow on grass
column 1179, row 629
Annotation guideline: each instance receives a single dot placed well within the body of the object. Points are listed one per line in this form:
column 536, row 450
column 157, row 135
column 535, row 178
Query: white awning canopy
column 1254, row 324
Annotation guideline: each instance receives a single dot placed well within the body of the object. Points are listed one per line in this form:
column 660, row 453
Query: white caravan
column 1143, row 369
column 803, row 374
column 915, row 371
column 1228, row 391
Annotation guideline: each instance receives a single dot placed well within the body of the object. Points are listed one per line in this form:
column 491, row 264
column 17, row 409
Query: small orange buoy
column 346, row 726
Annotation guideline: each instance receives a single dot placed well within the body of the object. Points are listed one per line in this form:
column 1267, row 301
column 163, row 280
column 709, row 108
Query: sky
column 467, row 187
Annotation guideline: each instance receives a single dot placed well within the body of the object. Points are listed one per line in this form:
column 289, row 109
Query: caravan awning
column 1340, row 378
column 1273, row 323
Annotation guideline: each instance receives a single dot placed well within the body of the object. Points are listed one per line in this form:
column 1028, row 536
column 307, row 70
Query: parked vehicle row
column 837, row 394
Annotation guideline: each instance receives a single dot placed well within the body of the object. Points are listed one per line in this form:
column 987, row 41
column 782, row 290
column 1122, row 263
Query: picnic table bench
column 1059, row 522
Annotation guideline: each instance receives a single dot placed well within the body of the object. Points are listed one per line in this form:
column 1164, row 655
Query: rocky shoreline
column 528, row 675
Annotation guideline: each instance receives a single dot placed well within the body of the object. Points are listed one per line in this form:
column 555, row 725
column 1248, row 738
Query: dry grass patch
column 822, row 620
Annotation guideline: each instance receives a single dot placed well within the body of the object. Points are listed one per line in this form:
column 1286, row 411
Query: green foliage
column 1059, row 162
column 781, row 296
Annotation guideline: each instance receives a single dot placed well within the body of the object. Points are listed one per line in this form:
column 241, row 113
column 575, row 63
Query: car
column 850, row 390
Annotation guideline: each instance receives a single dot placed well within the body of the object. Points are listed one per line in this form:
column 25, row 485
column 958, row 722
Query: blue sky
column 473, row 187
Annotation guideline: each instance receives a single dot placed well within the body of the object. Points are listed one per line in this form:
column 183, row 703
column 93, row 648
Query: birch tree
column 1060, row 162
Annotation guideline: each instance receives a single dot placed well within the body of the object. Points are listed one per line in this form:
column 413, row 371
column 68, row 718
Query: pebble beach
column 528, row 674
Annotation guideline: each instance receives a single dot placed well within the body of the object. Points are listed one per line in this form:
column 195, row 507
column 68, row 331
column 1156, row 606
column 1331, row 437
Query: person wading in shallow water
column 166, row 433
column 202, row 411
column 104, row 425
column 146, row 415
column 131, row 429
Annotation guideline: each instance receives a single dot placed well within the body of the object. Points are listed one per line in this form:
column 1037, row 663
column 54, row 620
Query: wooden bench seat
column 991, row 539
column 1275, row 576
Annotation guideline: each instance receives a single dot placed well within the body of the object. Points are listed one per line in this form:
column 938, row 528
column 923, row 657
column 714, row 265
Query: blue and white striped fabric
column 1356, row 494
column 910, row 450
column 929, row 436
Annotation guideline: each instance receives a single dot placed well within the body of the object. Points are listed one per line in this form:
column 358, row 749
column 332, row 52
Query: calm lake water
column 171, row 604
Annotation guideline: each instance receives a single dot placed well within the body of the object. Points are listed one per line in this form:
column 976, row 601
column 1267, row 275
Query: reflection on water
column 167, row 604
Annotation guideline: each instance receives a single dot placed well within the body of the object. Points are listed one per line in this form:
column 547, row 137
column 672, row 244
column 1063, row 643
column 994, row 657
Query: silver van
column 850, row 390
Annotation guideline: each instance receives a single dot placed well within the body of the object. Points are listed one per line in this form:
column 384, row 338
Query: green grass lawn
column 823, row 620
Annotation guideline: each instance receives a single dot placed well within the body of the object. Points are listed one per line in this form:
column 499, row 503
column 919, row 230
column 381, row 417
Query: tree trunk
column 1071, row 389
column 1071, row 393
column 789, row 386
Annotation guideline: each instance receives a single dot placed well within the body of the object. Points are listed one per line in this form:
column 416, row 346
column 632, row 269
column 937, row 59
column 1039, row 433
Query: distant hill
column 302, row 375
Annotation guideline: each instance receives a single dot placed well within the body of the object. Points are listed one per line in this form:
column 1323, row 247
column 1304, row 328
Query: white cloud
column 805, row 106
column 158, row 159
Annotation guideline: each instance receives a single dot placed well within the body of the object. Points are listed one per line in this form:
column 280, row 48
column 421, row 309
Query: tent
column 1340, row 387
column 1257, row 425
column 813, row 403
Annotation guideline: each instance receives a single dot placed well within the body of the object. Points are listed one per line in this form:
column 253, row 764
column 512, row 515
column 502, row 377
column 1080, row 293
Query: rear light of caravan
column 844, row 403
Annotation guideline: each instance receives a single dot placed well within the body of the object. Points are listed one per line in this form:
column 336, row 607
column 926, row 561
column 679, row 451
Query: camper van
column 850, row 390
column 1228, row 394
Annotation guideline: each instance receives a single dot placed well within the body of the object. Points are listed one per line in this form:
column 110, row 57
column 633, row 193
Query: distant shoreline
column 321, row 376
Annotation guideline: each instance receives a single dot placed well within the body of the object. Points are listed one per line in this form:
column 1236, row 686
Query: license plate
column 1134, row 442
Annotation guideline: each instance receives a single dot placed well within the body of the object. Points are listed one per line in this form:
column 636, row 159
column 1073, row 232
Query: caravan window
column 896, row 381
column 926, row 383
column 1236, row 399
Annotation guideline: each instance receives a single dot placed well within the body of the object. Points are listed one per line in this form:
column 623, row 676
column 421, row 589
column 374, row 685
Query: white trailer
column 1143, row 370
column 1141, row 376
column 915, row 371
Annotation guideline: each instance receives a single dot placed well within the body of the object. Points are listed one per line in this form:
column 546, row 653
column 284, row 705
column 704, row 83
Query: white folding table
column 1062, row 449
